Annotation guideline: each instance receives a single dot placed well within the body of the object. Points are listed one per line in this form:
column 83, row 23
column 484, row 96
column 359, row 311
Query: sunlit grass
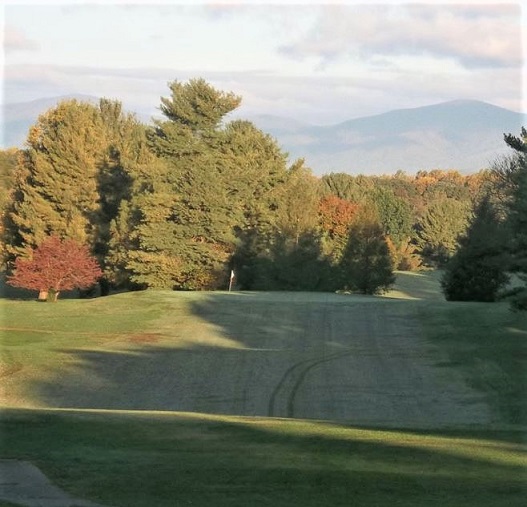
column 419, row 285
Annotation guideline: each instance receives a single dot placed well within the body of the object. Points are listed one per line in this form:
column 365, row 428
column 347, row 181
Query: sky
column 316, row 62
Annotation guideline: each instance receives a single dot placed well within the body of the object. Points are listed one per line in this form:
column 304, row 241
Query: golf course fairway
column 195, row 398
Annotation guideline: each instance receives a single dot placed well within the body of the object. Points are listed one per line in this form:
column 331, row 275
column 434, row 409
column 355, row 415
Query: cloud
column 475, row 36
column 15, row 40
column 317, row 99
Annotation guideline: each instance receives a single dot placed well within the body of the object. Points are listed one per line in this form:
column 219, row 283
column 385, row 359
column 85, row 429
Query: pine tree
column 212, row 182
column 366, row 265
column 517, row 216
column 56, row 189
column 476, row 272
column 437, row 231
column 70, row 179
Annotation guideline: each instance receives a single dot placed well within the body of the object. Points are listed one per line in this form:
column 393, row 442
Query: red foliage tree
column 54, row 266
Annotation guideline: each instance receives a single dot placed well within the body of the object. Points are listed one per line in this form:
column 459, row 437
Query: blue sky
column 311, row 61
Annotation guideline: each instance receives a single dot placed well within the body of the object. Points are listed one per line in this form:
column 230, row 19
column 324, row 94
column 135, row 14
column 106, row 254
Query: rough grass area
column 166, row 459
column 488, row 342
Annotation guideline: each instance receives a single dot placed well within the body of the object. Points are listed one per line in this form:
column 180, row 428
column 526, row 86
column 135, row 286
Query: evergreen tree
column 476, row 272
column 56, row 190
column 212, row 182
column 517, row 216
column 8, row 162
column 437, row 231
column 367, row 265
column 70, row 179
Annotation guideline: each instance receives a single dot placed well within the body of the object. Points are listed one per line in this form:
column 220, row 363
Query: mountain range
column 466, row 135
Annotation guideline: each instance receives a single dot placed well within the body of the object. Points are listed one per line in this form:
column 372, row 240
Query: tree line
column 181, row 202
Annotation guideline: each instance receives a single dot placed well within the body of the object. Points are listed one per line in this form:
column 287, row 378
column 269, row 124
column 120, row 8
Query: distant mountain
column 466, row 135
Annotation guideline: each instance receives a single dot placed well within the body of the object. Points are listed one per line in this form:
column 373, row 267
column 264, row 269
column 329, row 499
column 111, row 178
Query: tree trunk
column 53, row 295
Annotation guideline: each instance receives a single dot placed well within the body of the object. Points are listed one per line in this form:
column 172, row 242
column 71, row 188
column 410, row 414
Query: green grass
column 165, row 459
column 136, row 459
column 489, row 343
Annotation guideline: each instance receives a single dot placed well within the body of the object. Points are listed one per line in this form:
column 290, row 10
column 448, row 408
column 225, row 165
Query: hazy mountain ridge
column 466, row 135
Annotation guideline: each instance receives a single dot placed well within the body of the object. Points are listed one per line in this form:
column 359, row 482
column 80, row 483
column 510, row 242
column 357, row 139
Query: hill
column 466, row 135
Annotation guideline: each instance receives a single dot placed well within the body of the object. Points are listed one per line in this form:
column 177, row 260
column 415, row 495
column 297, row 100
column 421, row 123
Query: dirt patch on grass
column 144, row 338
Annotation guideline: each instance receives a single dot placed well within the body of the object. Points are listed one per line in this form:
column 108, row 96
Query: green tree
column 298, row 199
column 70, row 179
column 517, row 215
column 56, row 179
column 438, row 230
column 367, row 265
column 8, row 162
column 289, row 263
column 345, row 186
column 476, row 272
column 211, row 183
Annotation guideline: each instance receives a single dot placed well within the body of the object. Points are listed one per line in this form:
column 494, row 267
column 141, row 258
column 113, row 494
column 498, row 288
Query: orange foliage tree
column 335, row 218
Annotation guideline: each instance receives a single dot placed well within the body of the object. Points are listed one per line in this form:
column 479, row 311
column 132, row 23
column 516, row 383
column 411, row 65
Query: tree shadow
column 297, row 355
column 151, row 459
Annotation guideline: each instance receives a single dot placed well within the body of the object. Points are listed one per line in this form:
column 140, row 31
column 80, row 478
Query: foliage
column 178, row 203
column 397, row 220
column 56, row 265
column 335, row 218
column 366, row 265
column 70, row 179
column 8, row 162
column 438, row 230
column 517, row 216
column 211, row 183
column 288, row 263
column 297, row 202
column 476, row 272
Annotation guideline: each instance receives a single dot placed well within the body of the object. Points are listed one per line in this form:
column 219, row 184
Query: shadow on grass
column 163, row 459
column 267, row 354
column 322, row 356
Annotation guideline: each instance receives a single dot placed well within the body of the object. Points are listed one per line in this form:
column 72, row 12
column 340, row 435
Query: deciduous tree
column 54, row 266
